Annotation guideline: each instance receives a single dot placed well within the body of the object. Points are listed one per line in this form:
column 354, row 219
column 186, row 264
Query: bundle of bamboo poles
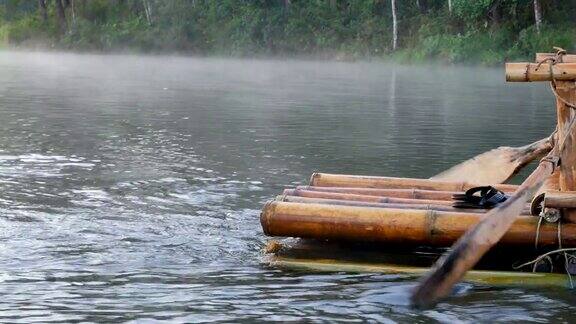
column 392, row 210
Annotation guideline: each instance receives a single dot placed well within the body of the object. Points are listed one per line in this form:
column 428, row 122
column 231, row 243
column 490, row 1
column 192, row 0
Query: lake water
column 130, row 187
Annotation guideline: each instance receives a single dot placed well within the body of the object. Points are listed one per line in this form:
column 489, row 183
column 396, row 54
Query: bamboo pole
column 560, row 199
column 396, row 193
column 402, row 226
column 343, row 180
column 353, row 197
column 528, row 72
column 306, row 200
column 567, row 180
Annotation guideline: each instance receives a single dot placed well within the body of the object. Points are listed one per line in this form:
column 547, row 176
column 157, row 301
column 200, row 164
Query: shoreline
column 320, row 57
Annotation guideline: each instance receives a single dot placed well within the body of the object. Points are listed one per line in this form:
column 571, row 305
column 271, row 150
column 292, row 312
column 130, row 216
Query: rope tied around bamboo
column 558, row 58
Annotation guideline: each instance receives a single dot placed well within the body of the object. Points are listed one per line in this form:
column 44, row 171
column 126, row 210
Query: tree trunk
column 494, row 12
column 61, row 16
column 43, row 11
column 422, row 6
column 333, row 4
column 73, row 9
column 148, row 12
column 450, row 6
column 537, row 15
column 286, row 4
column 394, row 26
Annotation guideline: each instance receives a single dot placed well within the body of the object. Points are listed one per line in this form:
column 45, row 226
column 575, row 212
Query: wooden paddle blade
column 468, row 250
column 497, row 165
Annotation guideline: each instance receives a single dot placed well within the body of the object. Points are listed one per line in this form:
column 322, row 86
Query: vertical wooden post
column 567, row 91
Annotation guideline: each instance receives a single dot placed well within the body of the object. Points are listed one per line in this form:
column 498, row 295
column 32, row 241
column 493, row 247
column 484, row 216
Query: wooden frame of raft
column 390, row 210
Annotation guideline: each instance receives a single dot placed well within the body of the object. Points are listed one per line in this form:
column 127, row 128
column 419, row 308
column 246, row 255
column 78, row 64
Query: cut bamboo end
column 403, row 226
column 343, row 180
column 265, row 215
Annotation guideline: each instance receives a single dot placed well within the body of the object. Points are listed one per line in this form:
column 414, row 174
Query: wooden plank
column 497, row 165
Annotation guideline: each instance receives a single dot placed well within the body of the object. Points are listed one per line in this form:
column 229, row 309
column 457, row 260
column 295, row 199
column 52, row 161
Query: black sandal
column 485, row 197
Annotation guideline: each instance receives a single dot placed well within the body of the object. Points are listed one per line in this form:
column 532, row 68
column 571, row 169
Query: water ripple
column 131, row 186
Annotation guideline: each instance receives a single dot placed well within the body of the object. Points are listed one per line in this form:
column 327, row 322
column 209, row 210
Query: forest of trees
column 481, row 31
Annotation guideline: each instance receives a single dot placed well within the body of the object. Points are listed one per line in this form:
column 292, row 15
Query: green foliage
column 28, row 29
column 471, row 10
column 530, row 41
column 476, row 30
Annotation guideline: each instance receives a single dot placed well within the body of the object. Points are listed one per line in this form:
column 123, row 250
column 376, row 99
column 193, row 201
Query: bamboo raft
column 387, row 214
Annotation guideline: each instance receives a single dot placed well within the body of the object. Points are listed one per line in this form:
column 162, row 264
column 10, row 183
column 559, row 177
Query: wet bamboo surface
column 342, row 180
column 306, row 200
column 492, row 278
column 304, row 196
column 365, row 198
column 329, row 256
column 396, row 193
column 402, row 226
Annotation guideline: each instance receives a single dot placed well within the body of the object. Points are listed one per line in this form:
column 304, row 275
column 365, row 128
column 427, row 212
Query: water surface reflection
column 130, row 187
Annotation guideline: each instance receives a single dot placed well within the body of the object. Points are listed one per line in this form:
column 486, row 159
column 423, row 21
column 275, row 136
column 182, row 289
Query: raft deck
column 391, row 214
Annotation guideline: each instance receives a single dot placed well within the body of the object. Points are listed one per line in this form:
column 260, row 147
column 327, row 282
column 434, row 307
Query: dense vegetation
column 485, row 31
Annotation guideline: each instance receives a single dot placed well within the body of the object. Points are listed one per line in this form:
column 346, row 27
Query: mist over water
column 130, row 187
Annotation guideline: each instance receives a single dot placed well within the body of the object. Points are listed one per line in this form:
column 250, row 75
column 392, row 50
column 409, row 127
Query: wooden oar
column 468, row 250
column 497, row 165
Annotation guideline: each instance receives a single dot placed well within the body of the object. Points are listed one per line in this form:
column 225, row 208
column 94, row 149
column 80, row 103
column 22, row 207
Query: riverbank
column 473, row 48
column 357, row 32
